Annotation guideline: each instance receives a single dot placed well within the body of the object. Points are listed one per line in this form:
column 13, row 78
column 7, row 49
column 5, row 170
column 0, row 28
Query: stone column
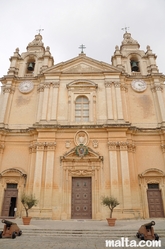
column 45, row 101
column 119, row 101
column 50, row 147
column 126, row 189
column 114, row 178
column 38, row 170
column 5, row 102
column 108, row 87
column 40, row 101
column 54, row 102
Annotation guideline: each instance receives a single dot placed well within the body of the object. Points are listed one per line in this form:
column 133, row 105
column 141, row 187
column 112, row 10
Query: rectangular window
column 82, row 109
column 11, row 185
column 153, row 186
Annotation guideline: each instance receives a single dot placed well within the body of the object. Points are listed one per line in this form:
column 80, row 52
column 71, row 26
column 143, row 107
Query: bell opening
column 134, row 66
column 31, row 66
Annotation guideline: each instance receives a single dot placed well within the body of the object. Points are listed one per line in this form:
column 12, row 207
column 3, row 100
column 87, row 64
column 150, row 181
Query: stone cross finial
column 82, row 47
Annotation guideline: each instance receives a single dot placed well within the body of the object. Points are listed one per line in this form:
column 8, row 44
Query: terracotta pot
column 111, row 221
column 26, row 220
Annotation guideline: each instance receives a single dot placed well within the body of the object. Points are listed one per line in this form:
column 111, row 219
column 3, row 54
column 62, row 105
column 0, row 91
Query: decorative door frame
column 152, row 175
column 74, row 166
column 13, row 175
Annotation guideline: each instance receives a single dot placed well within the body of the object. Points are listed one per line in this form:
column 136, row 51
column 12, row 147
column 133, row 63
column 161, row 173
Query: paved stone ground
column 41, row 242
column 94, row 233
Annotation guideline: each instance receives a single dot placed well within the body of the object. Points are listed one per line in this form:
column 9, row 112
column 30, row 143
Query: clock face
column 139, row 85
column 26, row 86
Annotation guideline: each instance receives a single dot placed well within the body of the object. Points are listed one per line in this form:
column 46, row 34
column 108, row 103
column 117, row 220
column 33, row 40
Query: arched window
column 82, row 109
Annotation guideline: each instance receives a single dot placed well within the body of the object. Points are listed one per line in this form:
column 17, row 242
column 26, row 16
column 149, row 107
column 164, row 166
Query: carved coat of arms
column 81, row 150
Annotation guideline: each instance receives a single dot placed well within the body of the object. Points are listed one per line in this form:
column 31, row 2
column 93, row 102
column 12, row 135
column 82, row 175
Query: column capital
column 41, row 146
column 117, row 84
column 55, row 84
column 121, row 145
column 8, row 89
column 47, row 84
column 108, row 84
column 50, row 145
column 40, row 88
column 156, row 88
column 124, row 87
column 112, row 145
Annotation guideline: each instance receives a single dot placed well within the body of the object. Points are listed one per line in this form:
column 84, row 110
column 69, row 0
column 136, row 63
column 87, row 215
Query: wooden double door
column 9, row 202
column 155, row 203
column 81, row 203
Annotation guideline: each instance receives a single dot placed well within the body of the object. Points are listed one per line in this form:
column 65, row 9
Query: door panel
column 155, row 203
column 81, row 198
column 10, row 196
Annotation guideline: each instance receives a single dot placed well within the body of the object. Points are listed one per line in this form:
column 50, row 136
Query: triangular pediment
column 73, row 155
column 82, row 64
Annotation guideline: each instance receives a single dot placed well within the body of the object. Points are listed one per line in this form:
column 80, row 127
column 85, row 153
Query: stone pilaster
column 54, row 102
column 118, row 101
column 124, row 90
column 50, row 148
column 114, row 178
column 45, row 101
column 40, row 101
column 38, row 169
column 108, row 88
column 158, row 89
column 126, row 188
column 7, row 91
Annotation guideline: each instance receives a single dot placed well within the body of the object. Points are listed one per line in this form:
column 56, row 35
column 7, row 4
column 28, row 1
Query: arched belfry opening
column 134, row 63
column 30, row 65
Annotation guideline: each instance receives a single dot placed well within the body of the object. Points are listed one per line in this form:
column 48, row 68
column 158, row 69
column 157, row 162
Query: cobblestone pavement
column 49, row 242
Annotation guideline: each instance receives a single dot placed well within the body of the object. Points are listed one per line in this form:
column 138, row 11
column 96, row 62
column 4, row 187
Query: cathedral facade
column 75, row 131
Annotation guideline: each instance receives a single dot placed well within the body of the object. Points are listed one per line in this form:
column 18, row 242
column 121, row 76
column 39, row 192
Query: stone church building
column 78, row 130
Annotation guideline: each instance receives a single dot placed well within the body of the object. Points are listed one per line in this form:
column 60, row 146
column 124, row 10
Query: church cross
column 125, row 29
column 82, row 47
column 40, row 30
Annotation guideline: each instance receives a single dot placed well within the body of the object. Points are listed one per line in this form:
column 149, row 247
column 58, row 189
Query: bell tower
column 33, row 61
column 132, row 60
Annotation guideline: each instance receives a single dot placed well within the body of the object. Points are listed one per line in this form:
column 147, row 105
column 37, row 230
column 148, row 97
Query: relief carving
column 81, row 137
column 95, row 143
column 81, row 172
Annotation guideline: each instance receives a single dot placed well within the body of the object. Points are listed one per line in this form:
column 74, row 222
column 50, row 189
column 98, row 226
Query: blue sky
column 68, row 23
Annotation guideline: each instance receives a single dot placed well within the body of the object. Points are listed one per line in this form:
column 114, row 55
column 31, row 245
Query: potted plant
column 28, row 201
column 111, row 203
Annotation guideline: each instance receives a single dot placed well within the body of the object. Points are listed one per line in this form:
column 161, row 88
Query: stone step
column 85, row 233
